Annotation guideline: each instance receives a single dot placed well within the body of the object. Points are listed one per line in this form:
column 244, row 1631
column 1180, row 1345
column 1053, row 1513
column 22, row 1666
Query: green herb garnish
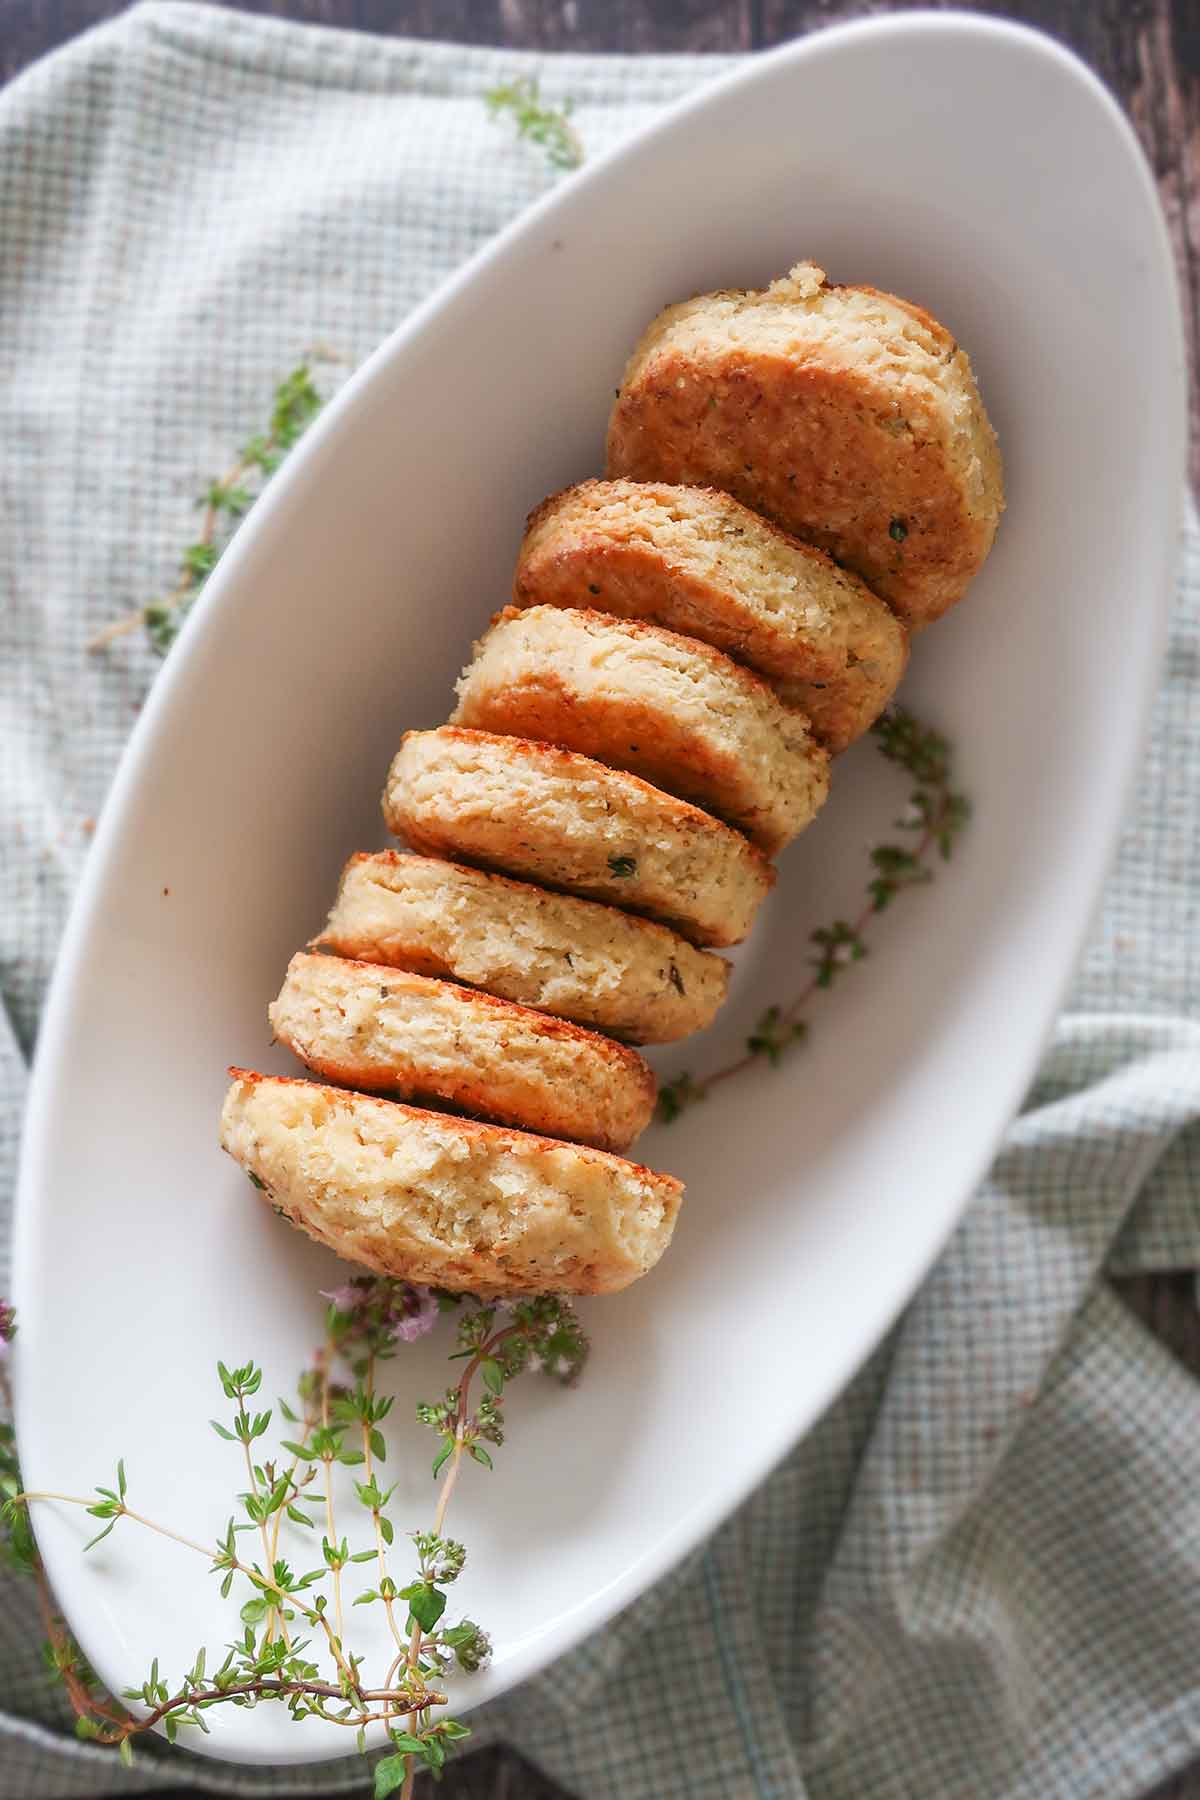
column 224, row 501
column 291, row 1646
column 548, row 126
column 936, row 814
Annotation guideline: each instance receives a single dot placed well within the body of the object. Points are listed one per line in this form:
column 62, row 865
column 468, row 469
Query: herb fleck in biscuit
column 845, row 415
column 699, row 562
column 594, row 964
column 388, row 1031
column 556, row 817
column 429, row 1198
column 676, row 712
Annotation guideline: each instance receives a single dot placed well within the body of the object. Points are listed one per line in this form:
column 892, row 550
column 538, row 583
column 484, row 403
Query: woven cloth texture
column 980, row 1574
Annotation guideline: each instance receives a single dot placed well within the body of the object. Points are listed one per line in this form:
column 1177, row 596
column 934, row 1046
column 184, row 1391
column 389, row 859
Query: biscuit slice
column 418, row 1039
column 450, row 1202
column 574, row 958
column 676, row 712
column 554, row 817
column 847, row 416
column 699, row 562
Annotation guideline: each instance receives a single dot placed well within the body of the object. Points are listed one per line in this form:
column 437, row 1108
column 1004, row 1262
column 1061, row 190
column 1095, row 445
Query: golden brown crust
column 943, row 341
column 848, row 417
column 369, row 1026
column 576, row 959
column 696, row 561
column 451, row 1202
column 668, row 708
column 481, row 1132
column 568, row 822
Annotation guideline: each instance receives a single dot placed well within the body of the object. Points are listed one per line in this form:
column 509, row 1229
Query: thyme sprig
column 548, row 126
column 337, row 1424
column 936, row 815
column 224, row 502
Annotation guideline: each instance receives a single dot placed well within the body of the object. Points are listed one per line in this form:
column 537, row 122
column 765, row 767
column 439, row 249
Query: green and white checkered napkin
column 980, row 1575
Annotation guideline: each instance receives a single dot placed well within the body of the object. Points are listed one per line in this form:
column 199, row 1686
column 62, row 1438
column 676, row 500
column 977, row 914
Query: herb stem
column 295, row 1487
column 327, row 1459
column 130, row 621
column 941, row 813
column 439, row 1518
column 460, row 1420
column 485, row 1350
column 412, row 1659
column 296, row 402
column 50, row 1494
column 380, row 1552
column 125, row 1512
column 264, row 1580
column 790, row 1014
column 83, row 1702
column 165, row 1531
column 275, row 1615
column 318, row 1690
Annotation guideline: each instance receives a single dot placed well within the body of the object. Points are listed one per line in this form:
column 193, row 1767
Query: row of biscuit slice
column 467, row 1203
column 559, row 683
column 354, row 1024
column 827, row 643
column 578, row 703
column 843, row 674
column 348, row 1020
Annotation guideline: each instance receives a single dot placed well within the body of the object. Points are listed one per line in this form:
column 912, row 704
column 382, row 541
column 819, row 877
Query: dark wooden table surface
column 1148, row 51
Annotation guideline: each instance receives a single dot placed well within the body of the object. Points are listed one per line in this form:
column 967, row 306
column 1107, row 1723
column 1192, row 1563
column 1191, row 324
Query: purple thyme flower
column 398, row 1310
column 345, row 1298
column 414, row 1312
